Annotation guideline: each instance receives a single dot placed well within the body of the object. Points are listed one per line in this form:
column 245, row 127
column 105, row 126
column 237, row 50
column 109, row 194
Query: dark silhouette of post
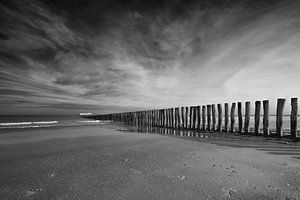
column 226, row 117
column 199, row 117
column 172, row 117
column 220, row 117
column 240, row 117
column 247, row 117
column 266, row 118
column 176, row 118
column 257, row 117
column 232, row 117
column 186, row 117
column 294, row 113
column 214, row 120
column 208, row 117
column 203, row 117
column 194, row 117
column 191, row 117
column 182, row 118
column 279, row 116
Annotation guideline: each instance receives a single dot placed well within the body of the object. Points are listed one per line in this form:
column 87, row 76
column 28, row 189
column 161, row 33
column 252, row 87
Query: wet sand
column 117, row 163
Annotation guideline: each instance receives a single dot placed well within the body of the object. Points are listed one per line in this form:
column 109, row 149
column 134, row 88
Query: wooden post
column 294, row 113
column 279, row 116
column 194, row 117
column 247, row 117
column 240, row 117
column 208, row 117
column 178, row 118
column 175, row 118
column 232, row 117
column 182, row 118
column 186, row 117
column 191, row 117
column 199, row 117
column 257, row 117
column 220, row 117
column 226, row 117
column 266, row 118
column 166, row 117
column 169, row 117
column 203, row 117
column 214, row 120
column 172, row 117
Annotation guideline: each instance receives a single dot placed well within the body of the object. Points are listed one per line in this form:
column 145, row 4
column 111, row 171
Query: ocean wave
column 23, row 127
column 27, row 123
column 91, row 121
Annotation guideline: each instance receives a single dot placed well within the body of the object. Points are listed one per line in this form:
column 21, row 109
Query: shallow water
column 19, row 122
column 278, row 146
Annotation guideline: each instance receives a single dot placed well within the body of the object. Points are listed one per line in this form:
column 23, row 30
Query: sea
column 21, row 122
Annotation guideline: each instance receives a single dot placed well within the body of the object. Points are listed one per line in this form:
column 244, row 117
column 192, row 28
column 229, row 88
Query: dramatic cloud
column 106, row 56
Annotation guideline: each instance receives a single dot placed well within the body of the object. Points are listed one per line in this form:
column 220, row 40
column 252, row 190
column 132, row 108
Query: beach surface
column 109, row 162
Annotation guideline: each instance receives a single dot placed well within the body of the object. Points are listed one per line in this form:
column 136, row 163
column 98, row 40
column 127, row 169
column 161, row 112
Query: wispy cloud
column 107, row 56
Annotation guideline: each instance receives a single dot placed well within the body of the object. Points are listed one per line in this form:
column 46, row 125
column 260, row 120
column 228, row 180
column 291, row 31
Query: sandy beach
column 113, row 163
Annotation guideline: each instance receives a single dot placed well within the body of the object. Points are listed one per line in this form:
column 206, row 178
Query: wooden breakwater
column 214, row 118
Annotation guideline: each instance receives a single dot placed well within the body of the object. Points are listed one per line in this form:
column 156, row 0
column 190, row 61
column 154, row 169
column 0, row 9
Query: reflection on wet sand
column 278, row 146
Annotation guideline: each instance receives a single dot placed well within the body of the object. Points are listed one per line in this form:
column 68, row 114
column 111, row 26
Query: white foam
column 15, row 123
column 27, row 123
column 21, row 127
column 91, row 121
column 45, row 122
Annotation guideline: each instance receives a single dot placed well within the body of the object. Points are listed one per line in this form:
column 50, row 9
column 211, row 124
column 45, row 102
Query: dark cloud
column 138, row 53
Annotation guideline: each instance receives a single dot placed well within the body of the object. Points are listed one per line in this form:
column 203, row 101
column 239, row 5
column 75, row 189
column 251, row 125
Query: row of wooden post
column 192, row 117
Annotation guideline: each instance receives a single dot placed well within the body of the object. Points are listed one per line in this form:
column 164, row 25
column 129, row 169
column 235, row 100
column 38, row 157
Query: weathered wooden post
column 165, row 117
column 177, row 118
column 220, row 117
column 191, row 117
column 208, row 117
column 182, row 118
column 232, row 117
column 186, row 117
column 226, row 117
column 279, row 116
column 266, row 118
column 161, row 117
column 247, row 117
column 294, row 113
column 214, row 120
column 240, row 117
column 199, row 117
column 203, row 117
column 194, row 117
column 168, row 117
column 154, row 118
column 172, row 117
column 166, row 113
column 257, row 117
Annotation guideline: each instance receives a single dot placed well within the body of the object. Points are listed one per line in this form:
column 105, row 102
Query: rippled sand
column 111, row 162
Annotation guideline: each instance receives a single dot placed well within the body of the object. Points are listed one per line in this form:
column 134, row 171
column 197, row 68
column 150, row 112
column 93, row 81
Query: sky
column 102, row 56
